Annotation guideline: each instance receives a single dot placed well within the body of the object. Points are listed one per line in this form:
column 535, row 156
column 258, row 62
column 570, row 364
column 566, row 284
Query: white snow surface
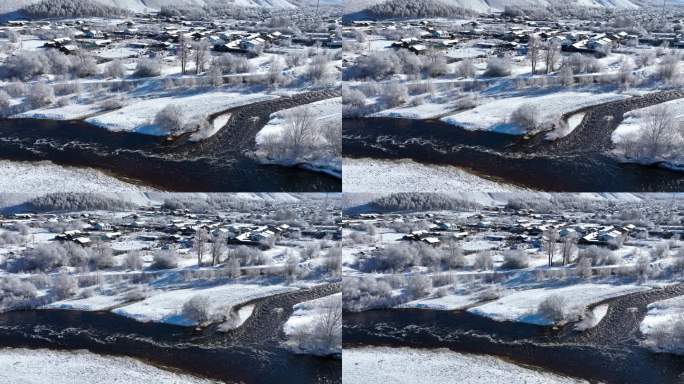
column 46, row 177
column 30, row 366
column 306, row 313
column 410, row 366
column 139, row 115
column 523, row 305
column 387, row 176
column 494, row 115
column 166, row 306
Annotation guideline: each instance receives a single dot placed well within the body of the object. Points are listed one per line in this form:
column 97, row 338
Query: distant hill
column 499, row 5
column 7, row 6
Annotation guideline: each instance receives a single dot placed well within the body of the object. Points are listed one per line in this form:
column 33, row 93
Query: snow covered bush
column 668, row 338
column 395, row 94
column 147, row 68
column 43, row 257
column 353, row 102
column 660, row 250
column 498, row 67
column 466, row 68
column 318, row 68
column 419, row 286
column 659, row 136
column 115, row 69
column 668, row 69
column 554, row 309
column 40, row 95
column 484, row 261
column 85, row 65
column 598, row 256
column 583, row 268
column 515, row 259
column 528, row 117
column 4, row 104
column 231, row 64
column 26, row 65
column 171, row 118
column 64, row 286
column 164, row 259
column 359, row 294
column 324, row 335
column 197, row 309
column 16, row 293
column 332, row 262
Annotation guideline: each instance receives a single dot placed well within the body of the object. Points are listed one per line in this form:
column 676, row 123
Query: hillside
column 499, row 5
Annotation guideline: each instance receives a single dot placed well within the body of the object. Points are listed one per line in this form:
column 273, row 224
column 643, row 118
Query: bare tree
column 551, row 55
column 549, row 239
column 659, row 130
column 568, row 247
column 328, row 328
column 198, row 243
column 218, row 247
column 183, row 52
column 534, row 48
column 300, row 131
column 200, row 54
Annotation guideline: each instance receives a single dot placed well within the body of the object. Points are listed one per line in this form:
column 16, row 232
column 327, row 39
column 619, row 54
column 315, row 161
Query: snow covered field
column 24, row 366
column 523, row 305
column 138, row 116
column 166, row 307
column 363, row 175
column 493, row 115
column 45, row 176
column 410, row 366
column 636, row 122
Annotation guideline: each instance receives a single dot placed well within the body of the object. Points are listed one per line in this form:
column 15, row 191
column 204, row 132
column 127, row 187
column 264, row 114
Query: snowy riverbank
column 406, row 365
column 384, row 176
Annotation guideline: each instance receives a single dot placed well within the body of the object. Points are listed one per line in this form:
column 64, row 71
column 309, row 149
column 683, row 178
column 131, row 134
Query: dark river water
column 521, row 343
column 204, row 354
column 435, row 142
column 150, row 160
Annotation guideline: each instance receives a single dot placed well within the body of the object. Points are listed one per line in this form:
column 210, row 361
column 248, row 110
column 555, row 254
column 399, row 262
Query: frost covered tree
column 568, row 247
column 419, row 286
column 164, row 259
column 64, row 286
column 218, row 247
column 197, row 309
column 115, row 69
column 200, row 55
column 199, row 244
column 41, row 94
column 527, row 117
column 133, row 261
column 183, row 52
column 498, row 67
column 171, row 119
column 534, row 50
column 300, row 131
column 552, row 52
column 466, row 68
column 549, row 239
column 317, row 70
column 147, row 67
column 554, row 308
column 5, row 104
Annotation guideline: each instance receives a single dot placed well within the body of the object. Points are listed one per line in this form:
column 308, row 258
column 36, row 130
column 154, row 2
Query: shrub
column 41, row 94
column 171, row 119
column 395, row 94
column 64, row 286
column 598, row 256
column 527, row 117
column 515, row 259
column 484, row 261
column 164, row 259
column 16, row 293
column 115, row 69
column 359, row 294
column 419, row 286
column 147, row 68
column 133, row 261
column 197, row 309
column 554, row 308
column 583, row 268
column 5, row 106
column 498, row 67
column 660, row 250
column 466, row 69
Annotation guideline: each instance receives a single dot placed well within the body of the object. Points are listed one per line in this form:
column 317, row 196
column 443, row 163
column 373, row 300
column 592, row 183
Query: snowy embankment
column 325, row 113
column 494, row 115
column 387, row 176
column 663, row 326
column 635, row 123
column 166, row 306
column 30, row 366
column 305, row 317
column 47, row 177
column 138, row 116
column 523, row 305
column 407, row 365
